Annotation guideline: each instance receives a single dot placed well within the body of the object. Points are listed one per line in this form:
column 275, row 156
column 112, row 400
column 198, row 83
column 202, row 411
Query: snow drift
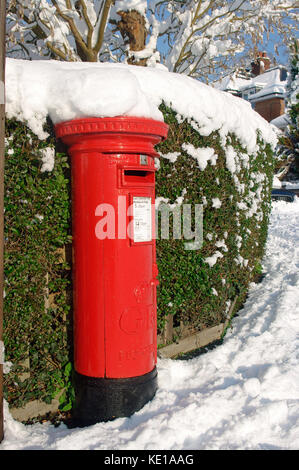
column 242, row 395
column 70, row 90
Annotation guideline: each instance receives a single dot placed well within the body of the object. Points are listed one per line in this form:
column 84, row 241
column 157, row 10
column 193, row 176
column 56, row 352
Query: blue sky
column 283, row 57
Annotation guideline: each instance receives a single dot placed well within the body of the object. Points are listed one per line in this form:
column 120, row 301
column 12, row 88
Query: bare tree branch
column 104, row 19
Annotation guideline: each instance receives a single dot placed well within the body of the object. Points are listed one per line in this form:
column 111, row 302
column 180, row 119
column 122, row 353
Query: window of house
column 283, row 75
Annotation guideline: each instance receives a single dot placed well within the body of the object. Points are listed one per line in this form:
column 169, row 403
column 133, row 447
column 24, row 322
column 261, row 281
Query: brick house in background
column 263, row 86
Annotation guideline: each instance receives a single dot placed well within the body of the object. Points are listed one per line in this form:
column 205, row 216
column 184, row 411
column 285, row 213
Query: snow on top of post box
column 73, row 90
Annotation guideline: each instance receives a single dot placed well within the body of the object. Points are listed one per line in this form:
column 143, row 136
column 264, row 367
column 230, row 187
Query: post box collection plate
column 142, row 215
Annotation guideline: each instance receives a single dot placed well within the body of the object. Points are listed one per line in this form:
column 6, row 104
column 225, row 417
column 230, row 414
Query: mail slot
column 136, row 177
column 114, row 263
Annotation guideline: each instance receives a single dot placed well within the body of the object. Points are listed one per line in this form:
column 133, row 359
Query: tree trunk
column 133, row 30
column 2, row 128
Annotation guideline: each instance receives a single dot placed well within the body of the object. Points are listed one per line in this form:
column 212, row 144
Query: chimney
column 261, row 64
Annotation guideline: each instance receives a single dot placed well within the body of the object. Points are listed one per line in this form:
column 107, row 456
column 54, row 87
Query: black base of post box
column 101, row 399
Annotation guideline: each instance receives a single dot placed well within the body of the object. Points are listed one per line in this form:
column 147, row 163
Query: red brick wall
column 270, row 109
column 261, row 64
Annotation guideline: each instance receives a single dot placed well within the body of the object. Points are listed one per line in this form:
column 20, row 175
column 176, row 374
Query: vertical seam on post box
column 103, row 280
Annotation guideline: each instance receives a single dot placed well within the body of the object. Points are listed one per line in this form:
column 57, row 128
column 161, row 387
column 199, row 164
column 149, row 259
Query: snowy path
column 242, row 395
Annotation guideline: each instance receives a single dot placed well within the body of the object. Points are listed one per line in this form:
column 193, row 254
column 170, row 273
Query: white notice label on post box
column 142, row 215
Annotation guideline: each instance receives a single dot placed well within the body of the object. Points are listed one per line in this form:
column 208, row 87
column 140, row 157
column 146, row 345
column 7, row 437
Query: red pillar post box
column 114, row 263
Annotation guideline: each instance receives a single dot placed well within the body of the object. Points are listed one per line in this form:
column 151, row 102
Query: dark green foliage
column 293, row 105
column 34, row 271
column 186, row 280
column 288, row 148
column 37, row 278
column 293, row 86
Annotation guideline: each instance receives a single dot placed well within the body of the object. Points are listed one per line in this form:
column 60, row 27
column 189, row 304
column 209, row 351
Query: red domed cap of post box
column 124, row 134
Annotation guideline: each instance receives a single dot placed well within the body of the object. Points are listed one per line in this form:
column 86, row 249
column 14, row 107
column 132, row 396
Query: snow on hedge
column 70, row 90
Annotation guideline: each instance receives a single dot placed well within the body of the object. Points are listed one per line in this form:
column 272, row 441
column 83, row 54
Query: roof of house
column 270, row 83
column 281, row 121
column 231, row 82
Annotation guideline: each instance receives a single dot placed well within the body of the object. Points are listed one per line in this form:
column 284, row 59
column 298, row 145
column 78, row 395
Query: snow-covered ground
column 242, row 395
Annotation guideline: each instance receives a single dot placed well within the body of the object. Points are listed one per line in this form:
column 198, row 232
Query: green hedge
column 37, row 220
column 37, row 226
column 191, row 290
